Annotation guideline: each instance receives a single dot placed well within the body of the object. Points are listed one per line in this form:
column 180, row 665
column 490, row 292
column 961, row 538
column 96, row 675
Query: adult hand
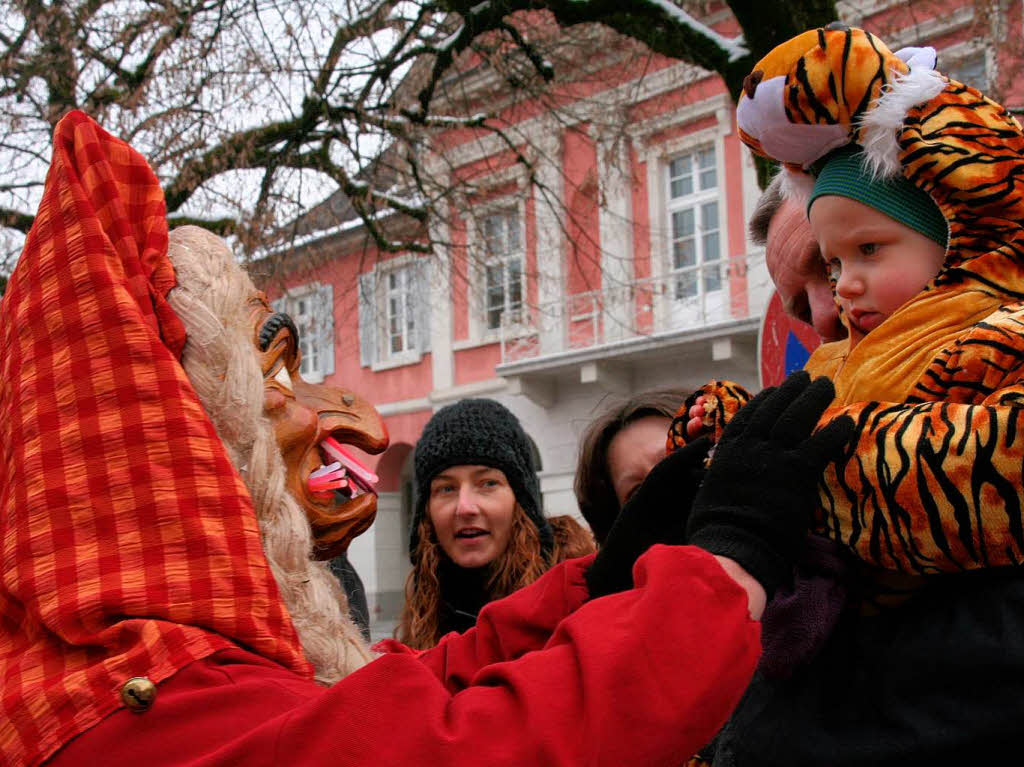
column 757, row 499
column 655, row 513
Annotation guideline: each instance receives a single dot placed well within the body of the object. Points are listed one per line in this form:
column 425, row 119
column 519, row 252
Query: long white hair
column 212, row 301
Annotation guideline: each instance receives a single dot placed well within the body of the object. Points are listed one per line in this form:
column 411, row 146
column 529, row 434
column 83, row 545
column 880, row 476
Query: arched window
column 535, row 454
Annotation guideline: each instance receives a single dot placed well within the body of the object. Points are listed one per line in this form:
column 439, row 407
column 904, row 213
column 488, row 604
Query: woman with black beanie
column 478, row 532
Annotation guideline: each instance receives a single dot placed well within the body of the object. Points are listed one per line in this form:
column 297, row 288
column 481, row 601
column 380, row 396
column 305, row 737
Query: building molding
column 462, row 391
column 576, row 357
column 402, row 407
column 674, row 77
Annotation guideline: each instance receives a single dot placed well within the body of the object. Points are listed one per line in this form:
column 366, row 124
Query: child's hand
column 695, row 426
column 705, row 413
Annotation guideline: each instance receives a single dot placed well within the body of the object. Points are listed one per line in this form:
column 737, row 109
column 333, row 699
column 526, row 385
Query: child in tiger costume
column 929, row 496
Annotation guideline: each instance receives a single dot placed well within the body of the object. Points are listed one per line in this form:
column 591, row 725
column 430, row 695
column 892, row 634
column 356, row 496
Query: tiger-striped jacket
column 933, row 482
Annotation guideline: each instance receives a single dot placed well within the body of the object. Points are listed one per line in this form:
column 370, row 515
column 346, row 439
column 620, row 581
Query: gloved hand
column 758, row 497
column 655, row 513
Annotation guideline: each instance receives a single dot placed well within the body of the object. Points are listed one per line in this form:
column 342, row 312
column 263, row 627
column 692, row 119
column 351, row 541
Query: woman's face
column 634, row 451
column 471, row 508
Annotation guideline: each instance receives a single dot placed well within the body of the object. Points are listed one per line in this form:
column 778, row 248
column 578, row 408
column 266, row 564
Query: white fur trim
column 796, row 187
column 881, row 124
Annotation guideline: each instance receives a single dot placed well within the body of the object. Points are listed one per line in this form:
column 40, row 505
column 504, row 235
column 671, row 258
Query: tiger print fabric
column 933, row 482
column 825, row 78
column 722, row 400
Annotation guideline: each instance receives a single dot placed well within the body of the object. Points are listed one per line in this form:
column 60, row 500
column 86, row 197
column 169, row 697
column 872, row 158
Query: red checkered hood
column 130, row 547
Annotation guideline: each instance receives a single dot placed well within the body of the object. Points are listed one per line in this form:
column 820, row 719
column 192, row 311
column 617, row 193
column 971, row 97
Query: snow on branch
column 734, row 46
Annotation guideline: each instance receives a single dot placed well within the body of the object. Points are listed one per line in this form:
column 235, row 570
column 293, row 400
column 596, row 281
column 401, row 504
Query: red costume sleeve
column 507, row 628
column 642, row 677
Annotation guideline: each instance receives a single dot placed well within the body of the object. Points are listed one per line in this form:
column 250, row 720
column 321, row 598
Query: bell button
column 138, row 693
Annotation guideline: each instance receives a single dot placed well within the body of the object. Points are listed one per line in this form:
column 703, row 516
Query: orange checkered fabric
column 130, row 547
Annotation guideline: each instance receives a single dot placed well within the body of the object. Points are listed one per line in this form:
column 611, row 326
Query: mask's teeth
column 334, row 449
column 328, row 482
column 359, row 485
column 325, row 469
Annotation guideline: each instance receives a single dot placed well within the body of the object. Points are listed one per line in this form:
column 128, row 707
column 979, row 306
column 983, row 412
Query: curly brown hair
column 520, row 565
column 571, row 539
column 595, row 492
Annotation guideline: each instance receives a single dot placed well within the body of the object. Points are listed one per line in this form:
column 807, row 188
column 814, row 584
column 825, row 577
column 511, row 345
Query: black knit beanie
column 478, row 432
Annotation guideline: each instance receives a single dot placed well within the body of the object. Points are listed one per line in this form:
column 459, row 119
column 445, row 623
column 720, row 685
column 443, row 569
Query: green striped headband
column 843, row 174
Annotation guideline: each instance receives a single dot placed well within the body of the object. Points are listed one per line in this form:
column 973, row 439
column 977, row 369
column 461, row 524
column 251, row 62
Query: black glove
column 655, row 513
column 758, row 497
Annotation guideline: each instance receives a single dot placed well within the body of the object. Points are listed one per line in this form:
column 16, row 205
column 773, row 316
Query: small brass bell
column 138, row 693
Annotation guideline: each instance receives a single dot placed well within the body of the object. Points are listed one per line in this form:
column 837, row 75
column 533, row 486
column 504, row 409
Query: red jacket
column 644, row 677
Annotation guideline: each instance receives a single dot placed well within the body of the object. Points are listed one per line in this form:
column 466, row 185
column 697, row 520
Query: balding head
column 794, row 262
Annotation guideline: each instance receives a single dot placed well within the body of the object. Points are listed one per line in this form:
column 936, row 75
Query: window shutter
column 424, row 302
column 367, row 319
column 325, row 327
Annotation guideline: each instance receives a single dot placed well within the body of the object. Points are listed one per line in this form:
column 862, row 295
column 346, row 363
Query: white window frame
column 655, row 154
column 480, row 331
column 400, row 307
column 376, row 312
column 311, row 307
column 696, row 201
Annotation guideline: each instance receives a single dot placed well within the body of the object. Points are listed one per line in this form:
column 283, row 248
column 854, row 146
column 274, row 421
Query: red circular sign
column 783, row 344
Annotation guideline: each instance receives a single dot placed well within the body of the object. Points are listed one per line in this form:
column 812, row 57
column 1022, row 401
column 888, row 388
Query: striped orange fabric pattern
column 129, row 543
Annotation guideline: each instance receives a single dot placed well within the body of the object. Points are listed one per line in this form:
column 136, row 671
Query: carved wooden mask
column 305, row 414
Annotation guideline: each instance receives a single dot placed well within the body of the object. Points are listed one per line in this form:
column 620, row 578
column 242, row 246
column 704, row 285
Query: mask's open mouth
column 344, row 476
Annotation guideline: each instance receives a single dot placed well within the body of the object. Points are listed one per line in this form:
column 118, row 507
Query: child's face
column 878, row 263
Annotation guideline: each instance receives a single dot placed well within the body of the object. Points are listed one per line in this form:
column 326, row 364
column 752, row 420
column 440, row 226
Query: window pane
column 709, row 216
column 683, row 254
column 680, row 174
column 686, row 285
column 682, row 186
column 713, row 277
column 711, row 247
column 515, row 280
column 682, row 223
column 512, row 228
column 410, row 320
column 495, row 296
column 394, row 323
column 495, row 299
column 495, row 278
column 708, row 173
column 708, row 179
column 501, row 233
column 492, row 235
column 680, row 166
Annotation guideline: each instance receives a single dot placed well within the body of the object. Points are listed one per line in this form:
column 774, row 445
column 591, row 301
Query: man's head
column 882, row 240
column 794, row 262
